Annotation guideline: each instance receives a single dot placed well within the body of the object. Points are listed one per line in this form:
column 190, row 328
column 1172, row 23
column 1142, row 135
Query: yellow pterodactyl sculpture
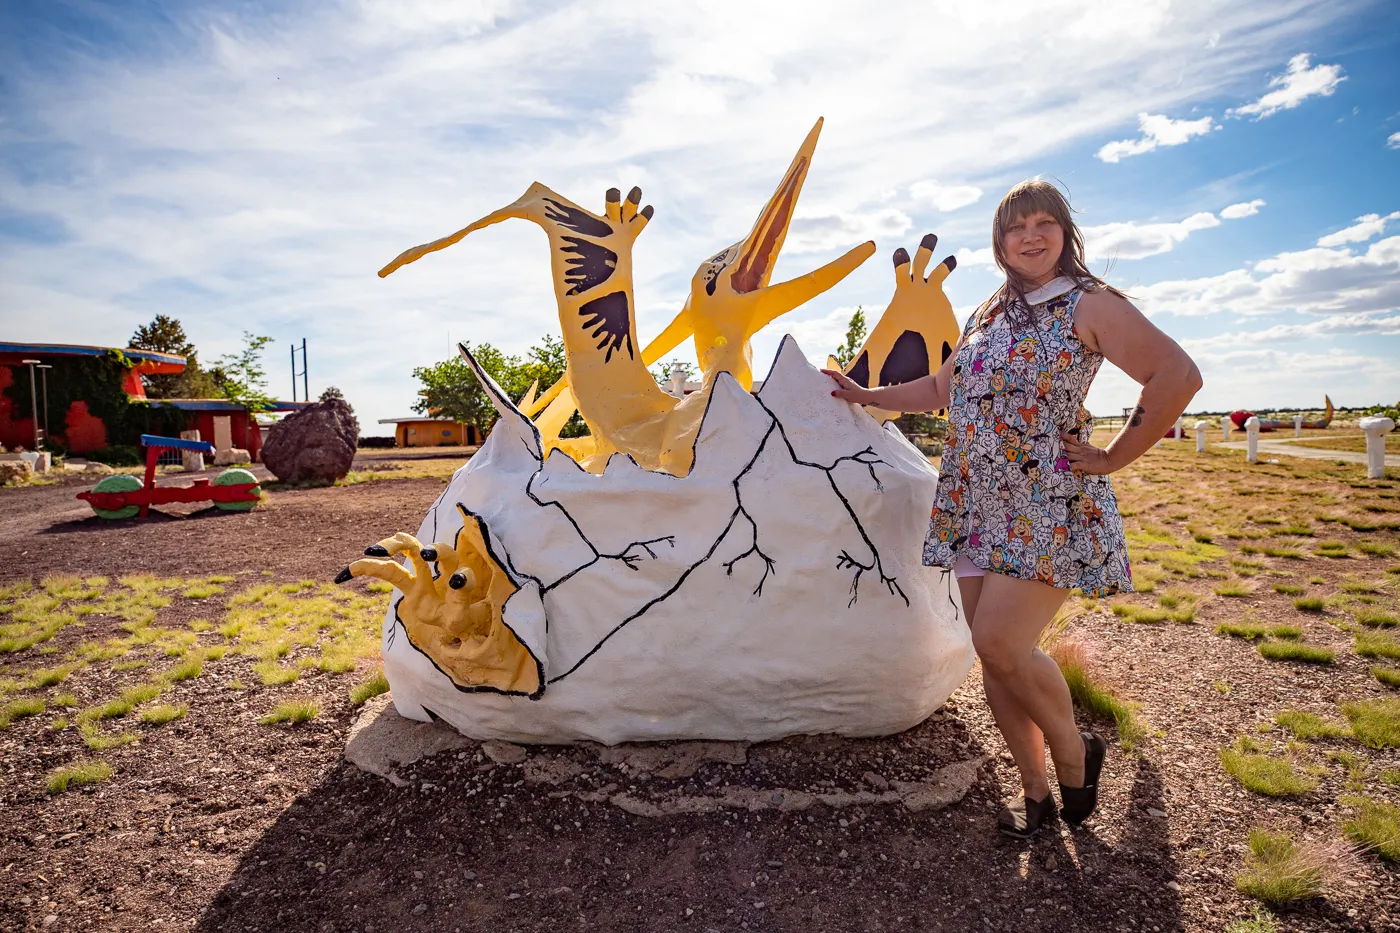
column 917, row 332
column 730, row 301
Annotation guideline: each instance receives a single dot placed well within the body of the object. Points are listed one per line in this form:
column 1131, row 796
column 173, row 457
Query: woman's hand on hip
column 847, row 388
column 1086, row 458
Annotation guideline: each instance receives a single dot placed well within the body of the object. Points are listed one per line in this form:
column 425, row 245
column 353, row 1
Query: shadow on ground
column 470, row 844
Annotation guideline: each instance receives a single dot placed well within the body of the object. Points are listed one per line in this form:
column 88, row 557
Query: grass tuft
column 376, row 685
column 1375, row 618
column 1281, row 871
column 1377, row 645
column 1246, row 630
column 1376, row 826
column 160, row 715
column 1309, row 604
column 1094, row 697
column 86, row 772
column 20, row 709
column 292, row 712
column 1376, row 723
column 1272, row 777
column 1293, row 651
column 1258, row 921
column 1232, row 588
column 1310, row 726
column 1390, row 676
column 1288, row 589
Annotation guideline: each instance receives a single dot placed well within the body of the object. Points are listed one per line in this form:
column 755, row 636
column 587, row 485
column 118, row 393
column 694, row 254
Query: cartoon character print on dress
column 1007, row 497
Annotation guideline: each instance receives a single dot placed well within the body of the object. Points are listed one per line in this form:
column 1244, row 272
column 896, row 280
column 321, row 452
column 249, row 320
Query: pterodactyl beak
column 758, row 253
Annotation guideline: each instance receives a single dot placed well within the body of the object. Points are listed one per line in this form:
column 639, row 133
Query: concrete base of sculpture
column 775, row 590
column 384, row 743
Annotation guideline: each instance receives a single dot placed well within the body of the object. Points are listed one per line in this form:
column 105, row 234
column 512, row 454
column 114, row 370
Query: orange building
column 418, row 431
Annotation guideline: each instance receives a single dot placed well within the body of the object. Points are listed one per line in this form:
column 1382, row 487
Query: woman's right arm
column 929, row 393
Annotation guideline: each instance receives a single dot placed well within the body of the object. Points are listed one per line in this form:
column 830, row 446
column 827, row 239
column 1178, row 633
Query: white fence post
column 1297, row 425
column 1376, row 429
column 1201, row 437
column 1225, row 428
column 1251, row 430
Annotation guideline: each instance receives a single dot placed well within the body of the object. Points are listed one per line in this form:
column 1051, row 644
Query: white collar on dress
column 1051, row 289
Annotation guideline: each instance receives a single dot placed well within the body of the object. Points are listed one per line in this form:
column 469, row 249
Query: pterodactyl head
column 748, row 265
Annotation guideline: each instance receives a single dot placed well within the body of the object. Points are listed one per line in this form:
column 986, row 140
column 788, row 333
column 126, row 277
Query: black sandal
column 1080, row 802
column 1020, row 818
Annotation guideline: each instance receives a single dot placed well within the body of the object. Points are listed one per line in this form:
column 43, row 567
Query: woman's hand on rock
column 847, row 388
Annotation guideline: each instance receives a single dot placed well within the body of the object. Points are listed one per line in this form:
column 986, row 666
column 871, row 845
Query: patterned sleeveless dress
column 1007, row 498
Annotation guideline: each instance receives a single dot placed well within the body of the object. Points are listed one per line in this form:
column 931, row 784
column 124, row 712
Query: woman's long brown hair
column 1029, row 197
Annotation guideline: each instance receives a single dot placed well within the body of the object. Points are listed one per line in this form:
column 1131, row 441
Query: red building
column 92, row 399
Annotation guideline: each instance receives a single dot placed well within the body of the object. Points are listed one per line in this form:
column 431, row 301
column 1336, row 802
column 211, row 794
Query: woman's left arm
column 1111, row 325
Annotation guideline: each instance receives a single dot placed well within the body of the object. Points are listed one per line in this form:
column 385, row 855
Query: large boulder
column 314, row 445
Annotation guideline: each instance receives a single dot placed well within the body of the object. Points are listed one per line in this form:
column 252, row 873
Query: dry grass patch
column 1390, row 676
column 375, row 686
column 162, row 714
column 1289, row 589
column 1375, row 826
column 1262, row 774
column 1233, row 589
column 1092, row 695
column 1280, row 871
column 1307, row 726
column 1376, row 618
column 1377, row 645
column 77, row 775
column 1294, row 651
column 294, row 713
column 20, row 709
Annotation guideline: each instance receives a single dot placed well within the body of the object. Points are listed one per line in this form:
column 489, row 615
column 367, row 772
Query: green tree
column 240, row 376
column 451, row 389
column 855, row 339
column 166, row 334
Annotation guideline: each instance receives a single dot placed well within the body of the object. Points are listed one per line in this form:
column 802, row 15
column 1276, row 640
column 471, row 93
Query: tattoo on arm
column 1137, row 416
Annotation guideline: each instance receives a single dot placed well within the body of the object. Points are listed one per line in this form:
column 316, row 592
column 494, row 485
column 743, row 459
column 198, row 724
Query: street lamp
column 44, row 379
column 34, row 401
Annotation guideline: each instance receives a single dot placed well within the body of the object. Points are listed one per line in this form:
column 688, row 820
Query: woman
column 1025, row 511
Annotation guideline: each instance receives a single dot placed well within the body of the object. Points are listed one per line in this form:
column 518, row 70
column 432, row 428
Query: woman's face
column 1032, row 246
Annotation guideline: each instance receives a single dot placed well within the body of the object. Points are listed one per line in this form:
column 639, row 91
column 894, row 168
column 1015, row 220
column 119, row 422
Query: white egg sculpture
column 730, row 565
column 776, row 589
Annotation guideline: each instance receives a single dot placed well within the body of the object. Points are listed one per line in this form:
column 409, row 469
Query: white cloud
column 841, row 230
column 1366, row 227
column 976, row 257
column 1393, row 142
column 820, row 336
column 1320, row 281
column 245, row 171
column 1301, row 81
column 1157, row 130
column 944, row 197
column 1243, row 209
column 1135, row 241
column 1382, row 324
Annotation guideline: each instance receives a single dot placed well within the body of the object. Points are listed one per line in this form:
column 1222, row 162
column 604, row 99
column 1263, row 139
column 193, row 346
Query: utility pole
column 305, row 387
column 34, row 401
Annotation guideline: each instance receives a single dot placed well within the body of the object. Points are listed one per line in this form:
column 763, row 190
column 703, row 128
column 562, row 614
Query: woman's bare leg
column 1022, row 682
column 1023, row 737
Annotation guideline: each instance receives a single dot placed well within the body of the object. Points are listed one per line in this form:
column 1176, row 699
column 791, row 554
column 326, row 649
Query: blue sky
column 1236, row 166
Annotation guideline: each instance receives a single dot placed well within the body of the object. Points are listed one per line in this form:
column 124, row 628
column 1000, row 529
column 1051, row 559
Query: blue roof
column 71, row 349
